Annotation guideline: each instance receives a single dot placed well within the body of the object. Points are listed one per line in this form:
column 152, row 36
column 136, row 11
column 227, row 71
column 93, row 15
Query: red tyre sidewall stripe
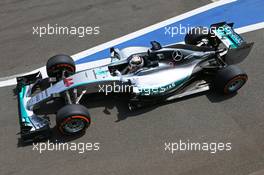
column 73, row 117
column 63, row 65
column 82, row 117
column 244, row 77
column 66, row 65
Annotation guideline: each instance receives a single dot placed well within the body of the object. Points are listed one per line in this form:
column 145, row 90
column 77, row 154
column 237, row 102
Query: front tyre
column 59, row 65
column 230, row 79
column 73, row 119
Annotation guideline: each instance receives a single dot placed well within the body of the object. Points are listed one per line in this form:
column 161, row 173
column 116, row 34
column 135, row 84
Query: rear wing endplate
column 238, row 48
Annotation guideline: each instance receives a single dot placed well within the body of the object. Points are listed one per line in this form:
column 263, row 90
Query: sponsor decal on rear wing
column 227, row 35
column 238, row 48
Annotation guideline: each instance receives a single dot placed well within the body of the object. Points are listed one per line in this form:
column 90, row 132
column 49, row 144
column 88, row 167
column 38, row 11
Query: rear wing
column 238, row 48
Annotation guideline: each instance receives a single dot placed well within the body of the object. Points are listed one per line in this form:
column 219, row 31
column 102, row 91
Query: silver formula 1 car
column 146, row 75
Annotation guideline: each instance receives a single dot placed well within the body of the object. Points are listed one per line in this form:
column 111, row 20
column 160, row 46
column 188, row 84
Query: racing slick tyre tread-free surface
column 59, row 63
column 73, row 119
column 230, row 79
column 195, row 35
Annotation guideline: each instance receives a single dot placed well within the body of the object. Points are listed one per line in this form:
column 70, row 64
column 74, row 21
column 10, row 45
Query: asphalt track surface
column 130, row 143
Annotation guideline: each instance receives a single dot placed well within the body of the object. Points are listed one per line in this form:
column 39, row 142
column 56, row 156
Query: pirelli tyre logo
column 68, row 82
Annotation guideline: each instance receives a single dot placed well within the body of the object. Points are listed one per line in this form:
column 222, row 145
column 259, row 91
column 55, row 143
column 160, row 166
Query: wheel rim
column 235, row 84
column 57, row 70
column 74, row 125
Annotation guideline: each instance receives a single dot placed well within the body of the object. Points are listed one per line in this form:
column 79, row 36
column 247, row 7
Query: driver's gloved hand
column 117, row 72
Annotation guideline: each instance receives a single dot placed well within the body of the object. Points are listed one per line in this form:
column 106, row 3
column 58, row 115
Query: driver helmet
column 136, row 62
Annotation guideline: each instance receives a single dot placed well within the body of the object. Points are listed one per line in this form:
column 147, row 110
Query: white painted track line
column 250, row 28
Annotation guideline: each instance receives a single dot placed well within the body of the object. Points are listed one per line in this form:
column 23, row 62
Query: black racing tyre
column 59, row 63
column 73, row 119
column 230, row 79
column 195, row 35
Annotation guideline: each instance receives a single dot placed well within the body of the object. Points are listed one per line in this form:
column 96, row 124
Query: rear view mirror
column 155, row 45
column 112, row 52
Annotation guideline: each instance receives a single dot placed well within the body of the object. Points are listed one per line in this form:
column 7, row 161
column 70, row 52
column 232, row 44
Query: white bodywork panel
column 126, row 52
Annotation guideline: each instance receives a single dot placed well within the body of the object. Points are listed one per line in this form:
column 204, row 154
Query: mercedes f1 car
column 160, row 73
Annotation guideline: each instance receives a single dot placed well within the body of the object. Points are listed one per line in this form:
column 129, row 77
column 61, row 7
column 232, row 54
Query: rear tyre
column 73, row 119
column 58, row 64
column 230, row 79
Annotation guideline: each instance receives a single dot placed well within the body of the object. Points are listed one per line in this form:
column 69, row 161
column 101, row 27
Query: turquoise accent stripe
column 22, row 106
column 101, row 72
